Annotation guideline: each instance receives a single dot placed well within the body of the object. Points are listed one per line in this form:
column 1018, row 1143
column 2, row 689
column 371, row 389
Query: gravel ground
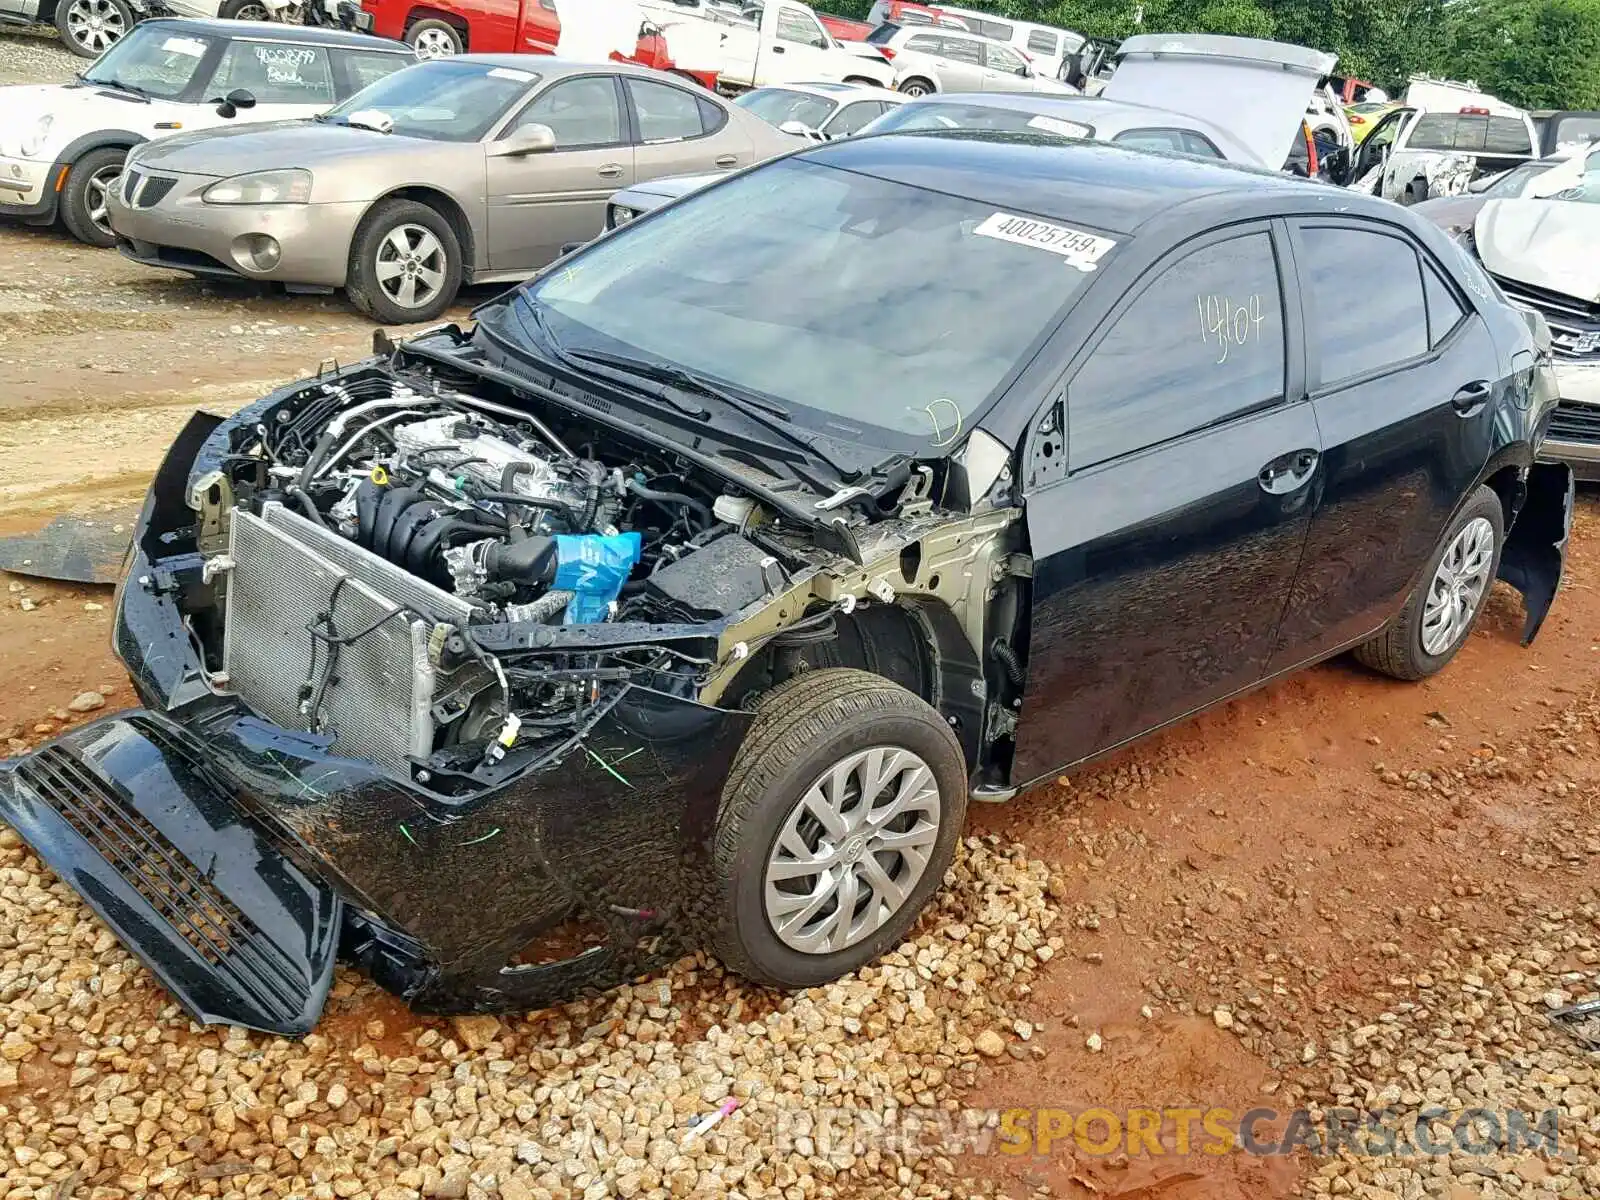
column 34, row 54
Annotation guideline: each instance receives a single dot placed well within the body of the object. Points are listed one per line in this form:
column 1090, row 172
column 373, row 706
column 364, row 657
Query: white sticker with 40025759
column 1081, row 250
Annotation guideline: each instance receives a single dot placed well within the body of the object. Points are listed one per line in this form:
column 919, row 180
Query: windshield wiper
column 575, row 361
column 118, row 85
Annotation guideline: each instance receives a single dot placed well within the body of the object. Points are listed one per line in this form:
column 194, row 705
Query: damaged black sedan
column 689, row 596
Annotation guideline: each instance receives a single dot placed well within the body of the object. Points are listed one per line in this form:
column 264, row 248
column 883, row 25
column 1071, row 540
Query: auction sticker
column 1069, row 129
column 1081, row 250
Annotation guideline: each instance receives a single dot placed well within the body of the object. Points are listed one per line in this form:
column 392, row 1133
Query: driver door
column 794, row 47
column 539, row 203
column 1377, row 146
column 1006, row 71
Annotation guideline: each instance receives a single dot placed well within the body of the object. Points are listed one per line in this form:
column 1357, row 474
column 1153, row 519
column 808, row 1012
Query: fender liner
column 1536, row 544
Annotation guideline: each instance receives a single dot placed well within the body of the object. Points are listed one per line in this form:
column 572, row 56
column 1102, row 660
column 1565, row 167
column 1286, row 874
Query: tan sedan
column 473, row 169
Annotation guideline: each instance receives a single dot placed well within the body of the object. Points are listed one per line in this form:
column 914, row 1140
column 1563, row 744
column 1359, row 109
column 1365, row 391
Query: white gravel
column 34, row 54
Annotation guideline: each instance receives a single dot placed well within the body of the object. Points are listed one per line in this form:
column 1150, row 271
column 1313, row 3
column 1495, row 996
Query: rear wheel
column 837, row 823
column 433, row 38
column 1440, row 615
column 918, row 87
column 90, row 27
column 83, row 201
column 405, row 263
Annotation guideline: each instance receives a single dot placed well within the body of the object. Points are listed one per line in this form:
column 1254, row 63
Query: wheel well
column 918, row 645
column 1506, row 484
column 919, row 79
column 862, row 79
column 434, row 14
column 447, row 208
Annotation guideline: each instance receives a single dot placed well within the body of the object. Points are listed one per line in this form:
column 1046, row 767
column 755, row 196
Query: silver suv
column 928, row 60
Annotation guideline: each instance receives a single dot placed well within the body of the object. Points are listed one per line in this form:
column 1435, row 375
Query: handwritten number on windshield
column 1228, row 323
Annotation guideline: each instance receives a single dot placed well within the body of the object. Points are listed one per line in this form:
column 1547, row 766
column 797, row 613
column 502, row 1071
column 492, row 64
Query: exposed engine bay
column 389, row 560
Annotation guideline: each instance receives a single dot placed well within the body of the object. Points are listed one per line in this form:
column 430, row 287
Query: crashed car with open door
column 689, row 596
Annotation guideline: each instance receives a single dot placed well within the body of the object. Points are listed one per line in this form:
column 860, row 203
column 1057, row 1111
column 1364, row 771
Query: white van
column 1045, row 45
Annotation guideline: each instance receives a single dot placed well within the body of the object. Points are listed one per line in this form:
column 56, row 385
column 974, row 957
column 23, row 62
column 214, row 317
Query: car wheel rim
column 914, row 89
column 434, row 43
column 851, row 850
column 1458, row 586
column 95, row 24
column 411, row 265
column 95, row 193
column 253, row 12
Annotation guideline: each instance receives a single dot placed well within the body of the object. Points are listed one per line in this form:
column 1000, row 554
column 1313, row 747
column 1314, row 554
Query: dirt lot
column 1340, row 891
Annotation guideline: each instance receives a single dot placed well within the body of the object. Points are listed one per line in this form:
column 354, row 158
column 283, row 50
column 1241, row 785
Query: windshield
column 444, row 100
column 152, row 59
column 777, row 105
column 876, row 302
column 1576, row 131
column 1513, row 181
column 953, row 114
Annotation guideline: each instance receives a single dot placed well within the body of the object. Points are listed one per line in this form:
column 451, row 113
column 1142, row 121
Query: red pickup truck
column 439, row 27
column 844, row 29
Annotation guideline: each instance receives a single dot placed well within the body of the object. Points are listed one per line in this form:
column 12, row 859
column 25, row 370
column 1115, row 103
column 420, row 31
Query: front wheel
column 83, row 201
column 90, row 27
column 405, row 263
column 1440, row 614
column 917, row 87
column 837, row 823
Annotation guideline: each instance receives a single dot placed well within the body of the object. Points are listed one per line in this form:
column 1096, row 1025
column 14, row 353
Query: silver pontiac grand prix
column 472, row 169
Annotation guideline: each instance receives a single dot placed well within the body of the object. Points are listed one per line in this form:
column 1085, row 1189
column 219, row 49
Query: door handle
column 728, row 160
column 1469, row 401
column 609, row 171
column 1288, row 472
column 777, row 49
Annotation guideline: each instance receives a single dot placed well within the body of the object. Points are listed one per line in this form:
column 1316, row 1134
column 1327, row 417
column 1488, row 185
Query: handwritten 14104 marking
column 1230, row 324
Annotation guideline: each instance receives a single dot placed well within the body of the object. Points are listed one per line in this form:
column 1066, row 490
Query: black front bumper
column 228, row 921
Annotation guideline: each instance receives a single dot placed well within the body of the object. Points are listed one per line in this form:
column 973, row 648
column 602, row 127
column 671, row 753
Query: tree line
column 1533, row 53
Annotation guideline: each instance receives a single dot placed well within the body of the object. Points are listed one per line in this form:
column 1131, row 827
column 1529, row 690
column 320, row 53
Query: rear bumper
column 235, row 929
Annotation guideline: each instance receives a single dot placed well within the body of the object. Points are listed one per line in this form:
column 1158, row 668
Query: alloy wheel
column 433, row 43
column 411, row 265
column 95, row 24
column 253, row 12
column 851, row 850
column 96, row 192
column 915, row 89
column 1458, row 586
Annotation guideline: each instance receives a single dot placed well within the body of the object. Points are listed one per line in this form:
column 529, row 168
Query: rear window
column 1471, row 132
column 1042, row 41
column 1508, row 135
column 883, row 34
column 953, row 114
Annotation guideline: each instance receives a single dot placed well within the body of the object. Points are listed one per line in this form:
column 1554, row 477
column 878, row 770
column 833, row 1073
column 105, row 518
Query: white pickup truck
column 779, row 41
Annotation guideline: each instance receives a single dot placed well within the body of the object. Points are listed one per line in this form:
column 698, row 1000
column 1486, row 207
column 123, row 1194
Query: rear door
column 677, row 132
column 1404, row 378
column 959, row 62
column 1168, row 498
column 541, row 202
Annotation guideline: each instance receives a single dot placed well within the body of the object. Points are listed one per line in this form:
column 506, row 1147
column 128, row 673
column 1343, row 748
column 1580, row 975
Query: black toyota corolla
column 688, row 597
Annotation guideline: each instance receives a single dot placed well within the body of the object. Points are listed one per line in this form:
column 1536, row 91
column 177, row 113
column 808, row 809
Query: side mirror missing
column 235, row 100
column 528, row 139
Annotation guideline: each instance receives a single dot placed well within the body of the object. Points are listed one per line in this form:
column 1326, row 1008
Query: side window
column 1508, row 135
column 854, row 117
column 1042, row 41
column 1388, row 326
column 926, row 43
column 998, row 30
column 581, row 112
column 275, row 73
column 1203, row 343
column 1444, row 310
column 1199, row 144
column 712, row 115
column 363, row 67
column 796, row 25
column 962, row 50
column 666, row 113
column 1001, row 59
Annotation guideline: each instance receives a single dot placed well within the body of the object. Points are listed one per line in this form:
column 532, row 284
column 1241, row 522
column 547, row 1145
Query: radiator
column 379, row 701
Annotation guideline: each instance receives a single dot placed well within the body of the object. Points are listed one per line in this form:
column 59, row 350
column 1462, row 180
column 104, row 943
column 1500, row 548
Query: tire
column 803, row 732
column 1417, row 643
column 918, row 86
column 245, row 10
column 393, row 229
column 83, row 200
column 89, row 28
column 433, row 38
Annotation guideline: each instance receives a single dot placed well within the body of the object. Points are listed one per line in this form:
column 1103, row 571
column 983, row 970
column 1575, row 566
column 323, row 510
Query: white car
column 62, row 145
column 820, row 111
column 928, row 60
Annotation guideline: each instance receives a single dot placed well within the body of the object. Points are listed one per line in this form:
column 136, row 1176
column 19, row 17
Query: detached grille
column 1574, row 324
column 1575, row 423
column 220, row 934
